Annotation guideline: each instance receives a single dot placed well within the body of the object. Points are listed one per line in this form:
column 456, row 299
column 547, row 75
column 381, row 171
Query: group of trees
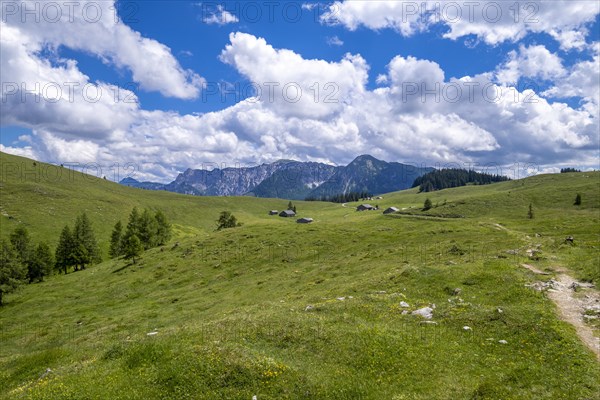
column 21, row 261
column 144, row 231
column 35, row 261
column 227, row 220
column 291, row 206
column 567, row 170
column 77, row 246
column 454, row 177
column 342, row 197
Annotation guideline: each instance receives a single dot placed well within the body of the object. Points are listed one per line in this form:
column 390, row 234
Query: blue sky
column 373, row 59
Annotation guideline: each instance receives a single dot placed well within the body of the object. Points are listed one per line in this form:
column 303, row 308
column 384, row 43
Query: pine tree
column 148, row 230
column 163, row 234
column 577, row 200
column 81, row 256
column 290, row 206
column 133, row 224
column 86, row 247
column 12, row 272
column 116, row 241
column 427, row 205
column 65, row 251
column 42, row 263
column 21, row 243
column 530, row 212
column 133, row 247
column 23, row 248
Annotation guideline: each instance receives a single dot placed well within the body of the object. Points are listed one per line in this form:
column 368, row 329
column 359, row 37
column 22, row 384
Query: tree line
column 569, row 170
column 144, row 231
column 454, row 177
column 22, row 261
column 342, row 197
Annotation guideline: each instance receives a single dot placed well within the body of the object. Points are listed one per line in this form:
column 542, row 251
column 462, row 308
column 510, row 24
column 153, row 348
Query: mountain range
column 292, row 179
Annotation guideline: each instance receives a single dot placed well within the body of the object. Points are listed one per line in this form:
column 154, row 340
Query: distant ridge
column 292, row 179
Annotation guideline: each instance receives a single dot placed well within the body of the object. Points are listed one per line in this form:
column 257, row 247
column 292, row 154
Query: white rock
column 467, row 328
column 404, row 304
column 500, row 310
column 309, row 308
column 404, row 312
column 425, row 312
column 341, row 298
column 502, row 341
column 152, row 333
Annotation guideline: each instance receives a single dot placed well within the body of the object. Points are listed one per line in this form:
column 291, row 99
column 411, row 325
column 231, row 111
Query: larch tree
column 86, row 246
column 163, row 234
column 65, row 250
column 133, row 247
column 42, row 262
column 23, row 247
column 148, row 229
column 116, row 241
column 12, row 271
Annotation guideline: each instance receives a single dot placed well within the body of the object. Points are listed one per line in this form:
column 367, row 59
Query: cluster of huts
column 306, row 220
column 290, row 214
column 368, row 207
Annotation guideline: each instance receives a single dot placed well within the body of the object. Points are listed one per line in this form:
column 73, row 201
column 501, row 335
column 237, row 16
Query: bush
column 227, row 220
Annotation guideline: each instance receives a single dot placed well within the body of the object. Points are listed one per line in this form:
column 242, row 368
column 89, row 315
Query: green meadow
column 281, row 310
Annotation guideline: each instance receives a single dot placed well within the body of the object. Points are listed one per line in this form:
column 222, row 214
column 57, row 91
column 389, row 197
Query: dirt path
column 572, row 307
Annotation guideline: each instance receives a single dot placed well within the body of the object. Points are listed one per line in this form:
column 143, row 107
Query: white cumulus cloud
column 493, row 22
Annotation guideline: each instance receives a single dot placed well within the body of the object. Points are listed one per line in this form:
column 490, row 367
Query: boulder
column 425, row 312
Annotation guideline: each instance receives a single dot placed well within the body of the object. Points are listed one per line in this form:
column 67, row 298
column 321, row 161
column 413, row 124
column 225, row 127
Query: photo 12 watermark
column 71, row 92
column 69, row 11
column 404, row 12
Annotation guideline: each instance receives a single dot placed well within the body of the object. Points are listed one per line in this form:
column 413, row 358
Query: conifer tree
column 163, row 234
column 12, row 272
column 133, row 247
column 427, row 205
column 42, row 263
column 116, row 241
column 147, row 229
column 86, row 247
column 21, row 243
column 65, row 250
column 530, row 212
column 133, row 224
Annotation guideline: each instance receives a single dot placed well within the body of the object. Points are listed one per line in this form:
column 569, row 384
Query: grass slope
column 282, row 310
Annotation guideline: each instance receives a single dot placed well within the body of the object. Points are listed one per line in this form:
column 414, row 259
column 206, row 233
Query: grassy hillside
column 282, row 310
column 45, row 197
